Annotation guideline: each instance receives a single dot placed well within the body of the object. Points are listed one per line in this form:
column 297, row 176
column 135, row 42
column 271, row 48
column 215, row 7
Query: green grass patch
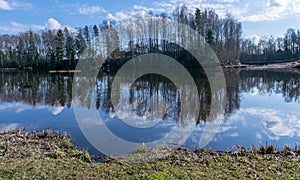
column 39, row 155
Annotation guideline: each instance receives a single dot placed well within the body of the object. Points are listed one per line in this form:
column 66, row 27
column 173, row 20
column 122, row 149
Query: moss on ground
column 39, row 155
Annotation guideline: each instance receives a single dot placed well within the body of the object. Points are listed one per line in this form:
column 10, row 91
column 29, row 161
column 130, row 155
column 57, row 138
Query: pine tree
column 80, row 44
column 86, row 35
column 59, row 39
column 69, row 48
column 95, row 31
column 210, row 38
column 32, row 51
column 20, row 51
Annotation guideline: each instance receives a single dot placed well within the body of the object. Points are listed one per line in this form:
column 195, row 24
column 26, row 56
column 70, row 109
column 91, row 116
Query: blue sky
column 259, row 17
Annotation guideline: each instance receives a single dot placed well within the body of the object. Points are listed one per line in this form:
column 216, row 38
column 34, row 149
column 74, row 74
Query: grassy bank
column 53, row 156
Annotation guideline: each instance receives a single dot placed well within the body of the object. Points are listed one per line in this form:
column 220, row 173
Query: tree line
column 271, row 50
column 48, row 49
column 61, row 49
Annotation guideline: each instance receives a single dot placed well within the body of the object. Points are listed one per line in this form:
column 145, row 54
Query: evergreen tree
column 32, row 51
column 80, row 44
column 95, row 31
column 86, row 34
column 20, row 51
column 69, row 48
column 210, row 38
column 59, row 39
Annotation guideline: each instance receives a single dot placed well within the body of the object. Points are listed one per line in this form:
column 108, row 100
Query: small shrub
column 83, row 155
column 296, row 148
column 262, row 149
column 66, row 143
column 252, row 149
column 140, row 149
column 45, row 134
column 270, row 149
column 286, row 149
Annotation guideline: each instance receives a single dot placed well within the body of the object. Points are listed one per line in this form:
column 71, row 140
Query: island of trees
column 61, row 48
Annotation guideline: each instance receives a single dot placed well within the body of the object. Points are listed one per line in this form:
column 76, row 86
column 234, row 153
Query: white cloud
column 138, row 7
column 258, row 137
column 19, row 27
column 20, row 4
column 256, row 11
column 9, row 126
column 52, row 24
column 274, row 10
column 272, row 3
column 222, row 7
column 5, row 6
column 11, row 5
column 147, row 9
column 119, row 16
column 88, row 10
column 228, row 1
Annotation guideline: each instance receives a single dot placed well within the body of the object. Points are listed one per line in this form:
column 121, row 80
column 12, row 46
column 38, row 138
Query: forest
column 61, row 48
column 271, row 50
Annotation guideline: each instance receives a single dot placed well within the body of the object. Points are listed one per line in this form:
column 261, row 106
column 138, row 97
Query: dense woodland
column 271, row 50
column 61, row 49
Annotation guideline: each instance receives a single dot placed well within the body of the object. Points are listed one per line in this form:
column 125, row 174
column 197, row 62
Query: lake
column 262, row 106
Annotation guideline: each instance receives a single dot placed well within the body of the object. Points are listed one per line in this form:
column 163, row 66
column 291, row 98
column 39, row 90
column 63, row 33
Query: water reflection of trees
column 36, row 87
column 146, row 86
column 149, row 85
column 285, row 82
column 56, row 89
column 233, row 92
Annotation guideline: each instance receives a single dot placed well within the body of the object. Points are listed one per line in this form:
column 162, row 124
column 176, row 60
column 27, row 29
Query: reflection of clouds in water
column 276, row 123
column 235, row 134
column 237, row 117
column 178, row 135
column 10, row 126
column 145, row 121
column 225, row 128
column 19, row 107
column 271, row 123
column 55, row 110
column 90, row 121
column 254, row 91
column 220, row 133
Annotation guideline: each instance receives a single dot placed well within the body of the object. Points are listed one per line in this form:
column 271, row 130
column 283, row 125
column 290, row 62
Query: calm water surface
column 261, row 106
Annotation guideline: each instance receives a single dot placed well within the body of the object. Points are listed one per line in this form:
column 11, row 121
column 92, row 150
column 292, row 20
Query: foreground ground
column 53, row 156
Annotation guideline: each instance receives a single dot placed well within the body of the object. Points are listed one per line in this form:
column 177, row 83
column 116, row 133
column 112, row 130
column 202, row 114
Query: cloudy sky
column 259, row 17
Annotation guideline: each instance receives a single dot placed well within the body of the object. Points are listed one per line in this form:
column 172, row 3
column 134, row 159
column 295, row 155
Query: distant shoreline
column 293, row 64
